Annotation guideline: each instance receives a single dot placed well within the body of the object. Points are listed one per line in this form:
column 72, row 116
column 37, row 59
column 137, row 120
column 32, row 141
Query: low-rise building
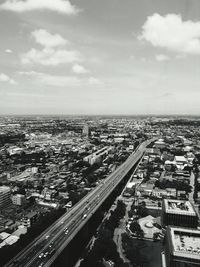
column 29, row 219
column 160, row 144
column 180, row 162
column 159, row 193
column 18, row 199
column 98, row 156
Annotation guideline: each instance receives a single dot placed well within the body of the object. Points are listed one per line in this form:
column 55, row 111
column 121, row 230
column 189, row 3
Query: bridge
column 44, row 250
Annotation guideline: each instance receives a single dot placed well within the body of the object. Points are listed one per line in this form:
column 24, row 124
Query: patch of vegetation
column 104, row 246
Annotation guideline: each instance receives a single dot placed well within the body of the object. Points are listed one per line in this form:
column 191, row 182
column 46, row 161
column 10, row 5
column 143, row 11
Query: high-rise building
column 5, row 196
column 86, row 130
column 181, row 248
column 179, row 213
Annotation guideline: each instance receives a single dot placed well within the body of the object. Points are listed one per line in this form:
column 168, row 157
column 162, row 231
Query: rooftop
column 181, row 207
column 4, row 189
column 185, row 242
column 180, row 158
column 31, row 214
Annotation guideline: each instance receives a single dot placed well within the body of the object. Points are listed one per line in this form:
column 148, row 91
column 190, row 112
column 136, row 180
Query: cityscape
column 57, row 173
column 99, row 133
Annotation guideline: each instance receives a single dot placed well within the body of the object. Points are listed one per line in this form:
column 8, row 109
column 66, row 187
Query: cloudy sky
column 100, row 57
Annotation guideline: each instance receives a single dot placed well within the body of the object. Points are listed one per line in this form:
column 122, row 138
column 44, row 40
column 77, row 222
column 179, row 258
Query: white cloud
column 6, row 78
column 172, row 33
column 53, row 52
column 61, row 6
column 58, row 80
column 9, row 51
column 94, row 81
column 78, row 69
column 50, row 57
column 51, row 80
column 162, row 57
column 28, row 73
column 46, row 39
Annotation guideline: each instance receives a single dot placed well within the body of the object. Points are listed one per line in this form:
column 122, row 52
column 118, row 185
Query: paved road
column 45, row 249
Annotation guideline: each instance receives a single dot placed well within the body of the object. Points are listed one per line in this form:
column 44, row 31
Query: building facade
column 18, row 199
column 181, row 248
column 86, row 131
column 5, row 195
column 179, row 213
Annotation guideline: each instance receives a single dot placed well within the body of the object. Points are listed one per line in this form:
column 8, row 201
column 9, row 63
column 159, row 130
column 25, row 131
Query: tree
column 133, row 251
column 104, row 246
column 142, row 210
column 155, row 236
column 135, row 228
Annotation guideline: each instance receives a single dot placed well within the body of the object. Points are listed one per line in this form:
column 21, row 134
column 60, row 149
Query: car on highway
column 45, row 254
column 66, row 231
column 41, row 264
column 84, row 216
column 51, row 244
column 41, row 255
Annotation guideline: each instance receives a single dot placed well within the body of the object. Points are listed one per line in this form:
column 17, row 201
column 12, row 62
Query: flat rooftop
column 4, row 189
column 180, row 207
column 185, row 242
column 180, row 159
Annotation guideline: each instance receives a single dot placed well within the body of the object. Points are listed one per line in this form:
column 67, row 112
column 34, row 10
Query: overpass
column 44, row 250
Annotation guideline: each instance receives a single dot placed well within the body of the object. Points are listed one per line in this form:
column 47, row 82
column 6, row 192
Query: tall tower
column 86, row 130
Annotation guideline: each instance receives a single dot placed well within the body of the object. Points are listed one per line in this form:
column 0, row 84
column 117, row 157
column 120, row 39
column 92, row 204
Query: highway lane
column 52, row 234
column 103, row 194
column 61, row 240
column 49, row 244
column 93, row 193
column 73, row 227
column 53, row 230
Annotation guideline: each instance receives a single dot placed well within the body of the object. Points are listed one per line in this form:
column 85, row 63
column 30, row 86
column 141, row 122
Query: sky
column 100, row 57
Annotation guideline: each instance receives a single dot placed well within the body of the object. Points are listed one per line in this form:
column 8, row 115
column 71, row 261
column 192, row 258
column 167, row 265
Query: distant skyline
column 100, row 57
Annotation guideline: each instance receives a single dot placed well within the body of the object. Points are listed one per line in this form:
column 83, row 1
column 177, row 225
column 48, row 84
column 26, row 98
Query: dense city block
column 48, row 165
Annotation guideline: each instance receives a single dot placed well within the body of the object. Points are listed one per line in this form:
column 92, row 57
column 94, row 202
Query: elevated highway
column 44, row 250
